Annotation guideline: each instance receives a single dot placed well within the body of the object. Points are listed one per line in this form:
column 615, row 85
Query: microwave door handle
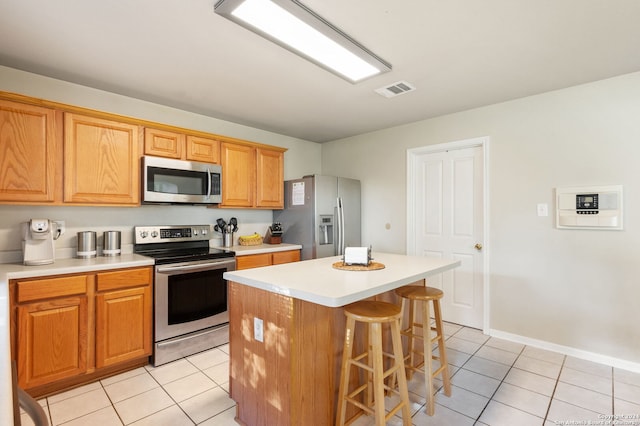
column 209, row 183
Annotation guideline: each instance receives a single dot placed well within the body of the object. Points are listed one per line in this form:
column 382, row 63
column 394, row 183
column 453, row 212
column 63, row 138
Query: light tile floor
column 494, row 382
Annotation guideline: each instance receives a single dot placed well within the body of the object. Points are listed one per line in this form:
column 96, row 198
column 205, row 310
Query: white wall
column 302, row 157
column 574, row 288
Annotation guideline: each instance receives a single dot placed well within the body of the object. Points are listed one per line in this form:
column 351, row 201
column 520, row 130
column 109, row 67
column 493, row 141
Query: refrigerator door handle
column 340, row 226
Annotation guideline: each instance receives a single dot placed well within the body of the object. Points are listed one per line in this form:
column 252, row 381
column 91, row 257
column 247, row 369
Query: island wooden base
column 292, row 377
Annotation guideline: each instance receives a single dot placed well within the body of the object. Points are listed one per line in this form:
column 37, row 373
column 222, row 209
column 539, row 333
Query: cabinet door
column 52, row 340
column 162, row 143
column 123, row 325
column 286, row 256
column 238, row 175
column 203, row 149
column 101, row 161
column 270, row 179
column 30, row 153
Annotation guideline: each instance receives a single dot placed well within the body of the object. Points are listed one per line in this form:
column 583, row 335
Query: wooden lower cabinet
column 71, row 329
column 267, row 259
column 52, row 340
column 123, row 325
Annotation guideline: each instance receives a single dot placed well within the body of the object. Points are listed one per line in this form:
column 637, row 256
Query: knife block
column 273, row 237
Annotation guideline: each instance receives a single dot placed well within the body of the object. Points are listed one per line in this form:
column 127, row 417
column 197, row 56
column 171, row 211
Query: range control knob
column 144, row 234
column 154, row 234
column 195, row 232
column 204, row 231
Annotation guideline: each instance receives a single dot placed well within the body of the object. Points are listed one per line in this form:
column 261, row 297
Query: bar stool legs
column 426, row 295
column 374, row 314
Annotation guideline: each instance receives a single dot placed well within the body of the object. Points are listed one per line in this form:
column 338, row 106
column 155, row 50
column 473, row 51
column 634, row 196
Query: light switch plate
column 543, row 209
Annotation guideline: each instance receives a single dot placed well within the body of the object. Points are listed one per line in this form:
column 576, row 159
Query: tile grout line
column 613, row 389
column 462, row 366
column 501, row 381
column 546, row 415
column 104, row 389
column 169, row 395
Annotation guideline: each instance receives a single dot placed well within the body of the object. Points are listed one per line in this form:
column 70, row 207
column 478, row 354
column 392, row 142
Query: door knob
column 478, row 246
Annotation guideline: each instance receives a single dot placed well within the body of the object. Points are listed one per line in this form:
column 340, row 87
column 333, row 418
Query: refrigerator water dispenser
column 326, row 229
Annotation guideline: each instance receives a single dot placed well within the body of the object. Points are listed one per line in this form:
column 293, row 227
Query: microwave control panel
column 594, row 207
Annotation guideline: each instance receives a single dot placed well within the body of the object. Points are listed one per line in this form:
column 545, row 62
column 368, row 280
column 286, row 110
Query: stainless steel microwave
column 165, row 180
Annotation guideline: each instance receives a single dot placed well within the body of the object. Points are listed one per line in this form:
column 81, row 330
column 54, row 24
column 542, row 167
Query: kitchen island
column 291, row 375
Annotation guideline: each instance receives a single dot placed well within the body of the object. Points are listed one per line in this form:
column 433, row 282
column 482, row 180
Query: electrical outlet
column 61, row 226
column 258, row 329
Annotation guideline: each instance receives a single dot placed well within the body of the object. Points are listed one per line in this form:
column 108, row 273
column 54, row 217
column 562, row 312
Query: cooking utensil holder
column 227, row 238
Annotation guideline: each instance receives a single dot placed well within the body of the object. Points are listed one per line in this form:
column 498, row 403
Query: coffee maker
column 37, row 241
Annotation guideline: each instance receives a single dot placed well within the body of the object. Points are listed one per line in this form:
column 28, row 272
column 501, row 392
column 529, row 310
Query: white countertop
column 263, row 248
column 60, row 266
column 318, row 282
column 73, row 265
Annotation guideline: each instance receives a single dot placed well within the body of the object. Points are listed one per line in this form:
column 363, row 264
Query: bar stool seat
column 413, row 294
column 374, row 314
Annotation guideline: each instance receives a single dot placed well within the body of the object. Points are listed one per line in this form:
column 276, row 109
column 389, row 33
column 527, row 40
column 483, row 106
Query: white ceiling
column 460, row 54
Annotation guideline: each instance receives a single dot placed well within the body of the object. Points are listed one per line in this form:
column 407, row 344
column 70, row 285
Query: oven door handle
column 200, row 266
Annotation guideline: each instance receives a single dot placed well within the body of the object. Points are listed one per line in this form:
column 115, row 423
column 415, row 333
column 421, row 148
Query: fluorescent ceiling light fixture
column 297, row 28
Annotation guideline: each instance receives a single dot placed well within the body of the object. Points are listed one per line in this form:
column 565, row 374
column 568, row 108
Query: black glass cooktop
column 181, row 252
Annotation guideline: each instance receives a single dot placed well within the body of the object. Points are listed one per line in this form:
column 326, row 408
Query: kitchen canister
column 111, row 243
column 86, row 244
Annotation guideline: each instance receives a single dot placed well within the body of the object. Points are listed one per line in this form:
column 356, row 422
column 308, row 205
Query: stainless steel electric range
column 190, row 294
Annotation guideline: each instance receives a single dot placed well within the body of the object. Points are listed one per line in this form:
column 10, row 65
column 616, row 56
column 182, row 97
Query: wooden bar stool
column 374, row 314
column 412, row 294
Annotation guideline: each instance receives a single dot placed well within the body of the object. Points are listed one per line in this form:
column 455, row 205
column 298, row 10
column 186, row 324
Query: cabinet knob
column 478, row 246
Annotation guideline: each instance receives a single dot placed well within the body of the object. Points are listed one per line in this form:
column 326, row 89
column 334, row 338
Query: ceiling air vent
column 395, row 89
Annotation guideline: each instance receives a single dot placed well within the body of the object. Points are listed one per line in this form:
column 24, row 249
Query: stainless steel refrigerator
column 322, row 213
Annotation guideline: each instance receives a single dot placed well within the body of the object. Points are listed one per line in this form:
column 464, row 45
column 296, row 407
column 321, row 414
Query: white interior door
column 448, row 222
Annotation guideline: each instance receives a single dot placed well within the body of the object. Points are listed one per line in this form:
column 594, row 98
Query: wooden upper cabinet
column 252, row 177
column 30, row 153
column 162, row 143
column 270, row 179
column 101, row 161
column 238, row 174
column 202, row 149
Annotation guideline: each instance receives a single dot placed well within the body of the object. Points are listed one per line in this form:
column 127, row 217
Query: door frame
column 412, row 155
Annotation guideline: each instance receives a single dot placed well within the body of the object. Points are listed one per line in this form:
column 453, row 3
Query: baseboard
column 567, row 350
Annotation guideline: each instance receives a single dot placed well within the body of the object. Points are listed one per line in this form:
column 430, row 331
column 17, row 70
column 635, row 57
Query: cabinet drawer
column 286, row 256
column 122, row 279
column 253, row 261
column 51, row 287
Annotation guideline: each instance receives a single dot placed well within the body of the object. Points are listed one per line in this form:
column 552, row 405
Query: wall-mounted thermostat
column 589, row 207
